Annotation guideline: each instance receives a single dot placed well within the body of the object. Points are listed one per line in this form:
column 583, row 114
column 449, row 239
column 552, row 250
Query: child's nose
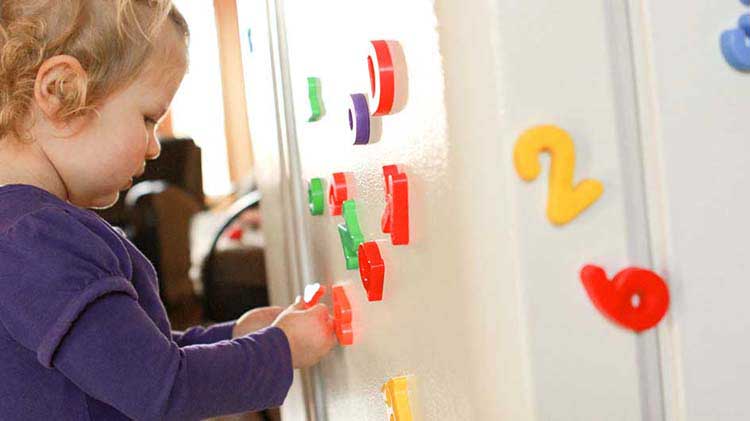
column 154, row 148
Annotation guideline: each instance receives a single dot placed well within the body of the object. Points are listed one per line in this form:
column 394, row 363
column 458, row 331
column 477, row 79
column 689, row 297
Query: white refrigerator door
column 484, row 309
column 694, row 119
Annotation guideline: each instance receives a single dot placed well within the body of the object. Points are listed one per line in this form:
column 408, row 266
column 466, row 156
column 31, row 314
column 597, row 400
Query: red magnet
column 371, row 270
column 395, row 219
column 342, row 316
column 614, row 298
column 337, row 193
column 313, row 294
column 382, row 78
column 235, row 234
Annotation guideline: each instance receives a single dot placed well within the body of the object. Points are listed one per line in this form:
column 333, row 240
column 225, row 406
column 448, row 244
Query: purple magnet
column 359, row 119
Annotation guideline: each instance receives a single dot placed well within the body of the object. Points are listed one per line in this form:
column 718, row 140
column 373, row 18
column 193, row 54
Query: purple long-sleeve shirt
column 84, row 336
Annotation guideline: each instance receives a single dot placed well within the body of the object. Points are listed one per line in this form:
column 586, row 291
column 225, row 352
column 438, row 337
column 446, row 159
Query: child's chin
column 104, row 202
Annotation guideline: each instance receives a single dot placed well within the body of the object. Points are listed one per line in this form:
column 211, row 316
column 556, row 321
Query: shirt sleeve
column 52, row 266
column 198, row 335
column 116, row 354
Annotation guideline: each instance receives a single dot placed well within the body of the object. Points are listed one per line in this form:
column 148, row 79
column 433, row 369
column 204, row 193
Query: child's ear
column 60, row 90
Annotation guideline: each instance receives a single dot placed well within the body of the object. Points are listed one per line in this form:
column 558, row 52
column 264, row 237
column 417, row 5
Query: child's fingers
column 331, row 340
column 321, row 311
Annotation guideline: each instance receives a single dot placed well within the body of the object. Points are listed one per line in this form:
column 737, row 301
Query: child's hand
column 310, row 332
column 255, row 319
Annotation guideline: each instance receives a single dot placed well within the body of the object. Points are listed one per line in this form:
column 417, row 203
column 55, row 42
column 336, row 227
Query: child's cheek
column 135, row 146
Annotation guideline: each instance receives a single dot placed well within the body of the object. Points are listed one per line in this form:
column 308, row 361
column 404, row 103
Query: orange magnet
column 337, row 193
column 342, row 316
column 614, row 299
column 396, row 395
column 371, row 270
column 395, row 219
column 313, row 294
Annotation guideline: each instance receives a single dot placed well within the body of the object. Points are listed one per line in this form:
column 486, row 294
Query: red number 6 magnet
column 614, row 298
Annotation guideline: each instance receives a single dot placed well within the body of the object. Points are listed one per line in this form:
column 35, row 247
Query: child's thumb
column 299, row 303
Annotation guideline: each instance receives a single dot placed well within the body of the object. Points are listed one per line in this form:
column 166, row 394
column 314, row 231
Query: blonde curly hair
column 112, row 39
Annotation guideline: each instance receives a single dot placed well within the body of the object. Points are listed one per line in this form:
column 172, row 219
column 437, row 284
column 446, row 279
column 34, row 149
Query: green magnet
column 349, row 210
column 316, row 196
column 350, row 234
column 347, row 244
column 316, row 99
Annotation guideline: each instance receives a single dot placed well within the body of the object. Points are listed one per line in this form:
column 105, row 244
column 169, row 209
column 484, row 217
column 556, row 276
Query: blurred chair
column 160, row 215
column 234, row 278
column 156, row 214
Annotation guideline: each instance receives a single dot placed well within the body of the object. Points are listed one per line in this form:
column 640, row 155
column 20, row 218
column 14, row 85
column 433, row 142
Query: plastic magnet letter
column 564, row 201
column 614, row 298
column 359, row 119
column 350, row 218
column 396, row 394
column 313, row 294
column 382, row 78
column 735, row 45
column 351, row 235
column 316, row 99
column 395, row 219
column 316, row 196
column 250, row 39
column 342, row 316
column 337, row 193
column 744, row 24
column 371, row 270
column 350, row 254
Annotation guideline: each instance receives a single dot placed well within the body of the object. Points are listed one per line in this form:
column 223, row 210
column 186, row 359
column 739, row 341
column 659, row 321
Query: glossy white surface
column 696, row 132
column 270, row 166
column 484, row 308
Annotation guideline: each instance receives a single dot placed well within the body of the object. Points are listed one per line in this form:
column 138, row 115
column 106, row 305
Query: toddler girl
column 83, row 335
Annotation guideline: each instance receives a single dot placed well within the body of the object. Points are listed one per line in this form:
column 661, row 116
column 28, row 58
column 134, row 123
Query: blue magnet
column 250, row 39
column 735, row 45
column 744, row 24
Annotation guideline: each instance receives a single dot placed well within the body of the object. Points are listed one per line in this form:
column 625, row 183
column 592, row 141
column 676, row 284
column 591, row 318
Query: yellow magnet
column 396, row 394
column 564, row 201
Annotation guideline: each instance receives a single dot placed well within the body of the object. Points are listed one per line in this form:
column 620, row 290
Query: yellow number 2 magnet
column 564, row 201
